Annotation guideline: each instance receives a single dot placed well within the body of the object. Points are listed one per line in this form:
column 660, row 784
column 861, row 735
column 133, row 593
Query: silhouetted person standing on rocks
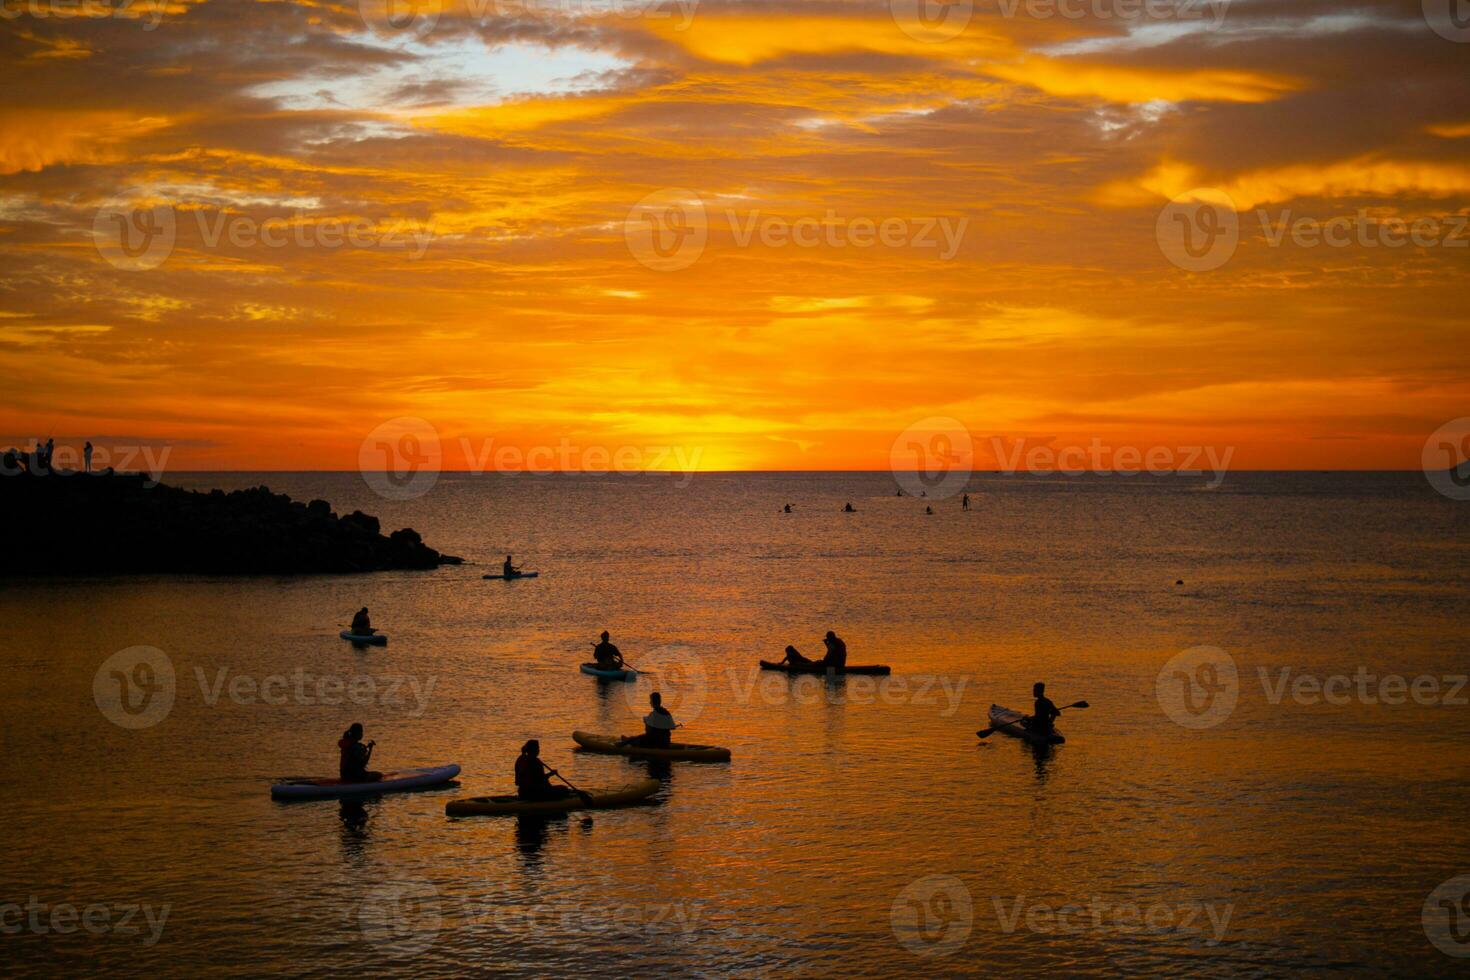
column 87, row 458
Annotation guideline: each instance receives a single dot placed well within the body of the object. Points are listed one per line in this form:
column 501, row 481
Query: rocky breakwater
column 120, row 522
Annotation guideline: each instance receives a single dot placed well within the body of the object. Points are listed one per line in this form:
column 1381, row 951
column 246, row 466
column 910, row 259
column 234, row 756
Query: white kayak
column 365, row 639
column 327, row 787
column 1013, row 724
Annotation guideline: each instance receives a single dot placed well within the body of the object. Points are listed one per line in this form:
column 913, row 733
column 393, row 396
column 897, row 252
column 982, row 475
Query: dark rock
column 125, row 522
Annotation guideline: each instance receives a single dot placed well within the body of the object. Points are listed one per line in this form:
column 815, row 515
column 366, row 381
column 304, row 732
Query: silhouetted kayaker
column 849, row 509
column 788, row 508
column 836, row 651
column 354, row 755
column 361, row 625
column 928, row 510
column 795, row 659
column 532, row 782
column 658, row 725
column 608, row 657
column 1044, row 714
column 509, row 568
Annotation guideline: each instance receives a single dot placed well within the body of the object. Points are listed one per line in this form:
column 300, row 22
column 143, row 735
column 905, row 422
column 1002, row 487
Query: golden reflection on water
column 1320, row 828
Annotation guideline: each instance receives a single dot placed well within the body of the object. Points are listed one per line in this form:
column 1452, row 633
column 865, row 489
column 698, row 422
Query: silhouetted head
column 831, row 635
column 1038, row 689
column 790, row 650
column 604, row 634
column 354, row 732
column 655, row 699
column 507, row 557
column 532, row 747
column 363, row 609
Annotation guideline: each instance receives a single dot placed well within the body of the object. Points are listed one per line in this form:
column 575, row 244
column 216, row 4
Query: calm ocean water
column 861, row 828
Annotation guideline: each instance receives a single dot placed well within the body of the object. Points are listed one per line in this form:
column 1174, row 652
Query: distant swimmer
column 354, row 756
column 849, row 509
column 608, row 657
column 836, row 651
column 509, row 569
column 361, row 625
column 1179, row 581
column 658, row 726
column 532, row 782
column 1044, row 713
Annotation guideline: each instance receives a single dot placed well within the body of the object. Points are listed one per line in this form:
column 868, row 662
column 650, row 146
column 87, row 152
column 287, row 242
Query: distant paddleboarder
column 658, row 726
column 354, row 756
column 1044, row 714
column 608, row 657
column 361, row 625
column 532, row 782
column 836, row 651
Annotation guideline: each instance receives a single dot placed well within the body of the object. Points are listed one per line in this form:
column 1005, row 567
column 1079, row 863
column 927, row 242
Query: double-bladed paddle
column 987, row 732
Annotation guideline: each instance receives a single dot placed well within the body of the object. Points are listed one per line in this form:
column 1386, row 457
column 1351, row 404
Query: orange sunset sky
column 643, row 223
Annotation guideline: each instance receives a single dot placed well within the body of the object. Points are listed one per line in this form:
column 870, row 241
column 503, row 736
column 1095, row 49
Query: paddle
column 987, row 732
column 586, row 797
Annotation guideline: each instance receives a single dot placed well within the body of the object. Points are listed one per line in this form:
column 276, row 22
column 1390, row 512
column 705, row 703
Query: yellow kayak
column 600, row 799
column 609, row 745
